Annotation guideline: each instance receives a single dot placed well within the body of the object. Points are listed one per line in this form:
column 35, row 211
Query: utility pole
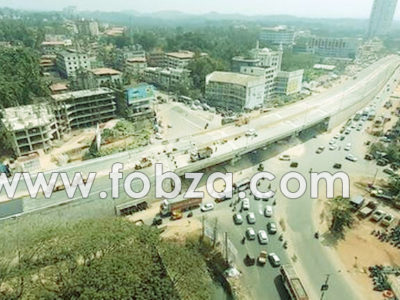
column 226, row 247
column 325, row 286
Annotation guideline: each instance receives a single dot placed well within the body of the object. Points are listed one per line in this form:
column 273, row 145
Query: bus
column 293, row 283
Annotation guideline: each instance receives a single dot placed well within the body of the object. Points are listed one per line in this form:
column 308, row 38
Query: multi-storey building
column 136, row 65
column 279, row 35
column 69, row 61
column 127, row 53
column 288, row 83
column 139, row 100
column 334, row 47
column 178, row 60
column 84, row 108
column 156, row 58
column 234, row 91
column 167, row 78
column 381, row 17
column 269, row 74
column 107, row 76
column 30, row 127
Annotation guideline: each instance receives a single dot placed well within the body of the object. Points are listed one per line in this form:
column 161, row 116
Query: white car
column 159, row 136
column 332, row 142
column 207, row 207
column 238, row 219
column 347, row 147
column 251, row 132
column 274, row 259
column 336, row 136
column 251, row 218
column 250, row 233
column 351, row 157
column 268, row 211
column 332, row 147
column 246, row 204
column 263, row 237
column 284, row 157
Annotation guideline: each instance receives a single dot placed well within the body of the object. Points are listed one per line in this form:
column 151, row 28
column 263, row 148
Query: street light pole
column 325, row 286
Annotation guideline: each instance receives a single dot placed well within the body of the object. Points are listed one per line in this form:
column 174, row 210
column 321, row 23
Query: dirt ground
column 360, row 249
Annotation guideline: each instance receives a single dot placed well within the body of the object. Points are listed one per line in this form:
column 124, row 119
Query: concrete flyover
column 229, row 142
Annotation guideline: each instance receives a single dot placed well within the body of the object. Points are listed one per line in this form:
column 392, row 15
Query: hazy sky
column 310, row 8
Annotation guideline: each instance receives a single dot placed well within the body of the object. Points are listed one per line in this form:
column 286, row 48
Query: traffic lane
column 258, row 279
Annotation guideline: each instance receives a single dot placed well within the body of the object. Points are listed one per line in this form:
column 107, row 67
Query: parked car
column 271, row 227
column 246, row 204
column 378, row 215
column 207, row 207
column 268, row 211
column 382, row 162
column 294, row 164
column 238, row 219
column 262, row 237
column 351, row 157
column 389, row 171
column 251, row 132
column 274, row 260
column 251, row 218
column 347, row 147
column 387, row 220
column 337, row 166
column 262, row 258
column 250, row 233
column 368, row 157
column 333, row 147
column 284, row 157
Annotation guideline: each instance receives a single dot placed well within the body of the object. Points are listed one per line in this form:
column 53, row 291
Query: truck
column 175, row 207
column 201, row 154
column 292, row 283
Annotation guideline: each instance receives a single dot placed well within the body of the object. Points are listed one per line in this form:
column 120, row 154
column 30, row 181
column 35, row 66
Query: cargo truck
column 175, row 207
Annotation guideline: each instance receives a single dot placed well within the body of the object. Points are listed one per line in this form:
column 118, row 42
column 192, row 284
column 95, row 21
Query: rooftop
column 181, row 54
column 26, row 116
column 58, row 87
column 136, row 59
column 82, row 94
column 230, row 77
column 105, row 71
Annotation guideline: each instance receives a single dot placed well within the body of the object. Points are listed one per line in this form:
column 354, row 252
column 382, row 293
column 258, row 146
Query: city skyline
column 308, row 8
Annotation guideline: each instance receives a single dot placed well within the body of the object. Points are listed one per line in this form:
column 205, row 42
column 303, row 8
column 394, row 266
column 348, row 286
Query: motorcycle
column 316, row 235
column 285, row 245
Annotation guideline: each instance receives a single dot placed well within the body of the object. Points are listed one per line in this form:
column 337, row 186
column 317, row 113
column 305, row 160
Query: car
column 251, row 132
column 262, row 258
column 246, row 204
column 250, row 234
column 336, row 137
column 342, row 137
column 271, row 227
column 263, row 237
column 353, row 126
column 368, row 157
column 382, row 162
column 158, row 136
column 238, row 219
column 320, row 149
column 378, row 215
column 359, row 128
column 387, row 220
column 251, row 218
column 274, row 260
column 332, row 142
column 284, row 157
column 347, row 147
column 268, row 211
column 294, row 164
column 351, row 157
column 337, row 166
column 207, row 207
column 389, row 171
column 347, row 131
column 333, row 147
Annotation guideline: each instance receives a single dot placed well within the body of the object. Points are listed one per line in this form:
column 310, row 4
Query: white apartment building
column 68, row 61
column 269, row 74
column 136, row 65
column 167, row 78
column 234, row 91
column 178, row 60
column 106, row 76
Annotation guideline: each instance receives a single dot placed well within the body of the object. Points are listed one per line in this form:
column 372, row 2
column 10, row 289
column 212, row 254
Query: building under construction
column 30, row 127
column 84, row 108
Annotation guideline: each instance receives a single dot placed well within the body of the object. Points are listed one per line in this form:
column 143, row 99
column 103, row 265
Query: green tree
column 342, row 216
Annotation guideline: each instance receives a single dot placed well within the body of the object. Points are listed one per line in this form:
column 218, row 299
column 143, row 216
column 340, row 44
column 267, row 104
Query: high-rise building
column 279, row 35
column 381, row 17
